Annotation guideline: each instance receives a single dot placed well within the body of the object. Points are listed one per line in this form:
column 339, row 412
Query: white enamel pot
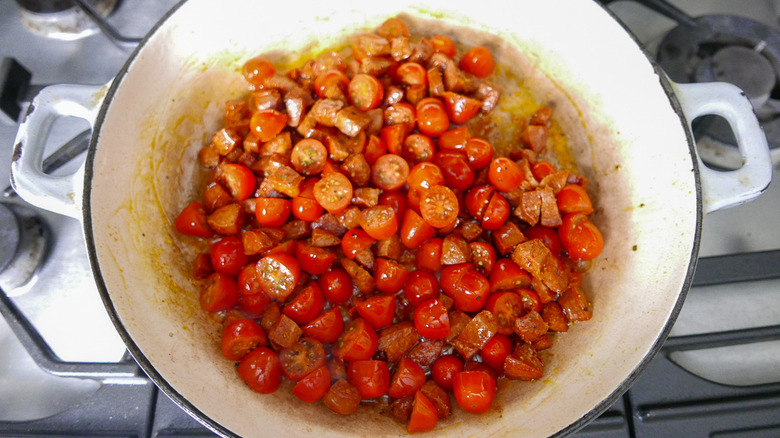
column 628, row 130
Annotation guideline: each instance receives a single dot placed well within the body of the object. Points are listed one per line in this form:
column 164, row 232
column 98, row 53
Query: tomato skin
column 479, row 153
column 272, row 212
column 428, row 255
column 333, row 192
column 365, row 91
column 313, row 386
column 431, row 319
column 460, row 108
column 496, row 213
column 531, row 300
column 306, row 305
column 580, row 237
column 506, row 307
column 380, row 221
column 390, row 172
column 253, row 305
column 505, row 174
column 313, row 259
column 220, row 292
column 358, row 342
column 483, row 257
column 265, row 124
column 477, row 200
column 495, row 350
column 278, row 275
column 548, row 236
column 354, row 241
column 309, row 156
column 455, row 139
column 261, row 370
column 370, row 377
column 432, row 119
column 407, row 379
column 227, row 256
column 327, row 327
column 424, row 416
column 455, row 168
column 574, row 199
column 415, row 230
column 478, row 61
column 330, row 83
column 336, row 285
column 443, row 44
column 474, row 391
column 239, row 180
column 240, row 337
column 507, row 275
column 192, row 221
column 421, row 286
column 307, row 209
column 424, row 176
column 540, row 169
column 378, row 310
column 256, row 70
column 439, row 206
column 467, row 287
column 389, row 275
column 445, row 368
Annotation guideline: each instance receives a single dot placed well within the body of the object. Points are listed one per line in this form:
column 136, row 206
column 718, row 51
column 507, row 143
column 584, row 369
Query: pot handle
column 60, row 194
column 724, row 189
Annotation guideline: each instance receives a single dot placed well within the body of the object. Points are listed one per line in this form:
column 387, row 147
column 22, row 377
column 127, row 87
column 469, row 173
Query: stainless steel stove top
column 62, row 304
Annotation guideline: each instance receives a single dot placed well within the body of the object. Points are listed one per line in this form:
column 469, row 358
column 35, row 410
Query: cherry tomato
column 428, row 255
column 327, row 327
column 505, row 174
column 393, row 137
column 390, row 172
column 379, row 222
column 507, row 275
column 572, row 198
column 411, row 73
column 439, row 206
column 407, row 379
column 455, row 168
column 506, row 307
column 444, row 370
column 580, row 237
column 358, row 342
column 256, row 70
column 304, row 206
column 314, row 260
column 396, row 200
column 389, row 275
column 424, row 176
column 496, row 213
column 220, row 292
column 531, row 299
column 479, row 153
column 455, row 139
column 253, row 305
column 333, row 192
column 261, row 370
column 370, row 377
column 432, row 119
column 478, row 61
column 313, row 386
column 423, row 416
column 477, row 200
column 495, row 350
column 331, row 84
column 460, row 108
column 355, row 241
column 548, row 236
column 336, row 285
column 365, row 92
column 309, row 156
column 306, row 305
column 421, row 286
column 415, row 230
column 238, row 179
column 265, row 124
column 432, row 320
column 483, row 256
column 474, row 390
column 540, row 169
column 278, row 275
column 240, row 337
column 192, row 221
column 444, row 45
column 378, row 310
column 304, row 357
column 272, row 212
column 418, row 148
column 228, row 219
column 227, row 256
column 342, row 398
column 393, row 27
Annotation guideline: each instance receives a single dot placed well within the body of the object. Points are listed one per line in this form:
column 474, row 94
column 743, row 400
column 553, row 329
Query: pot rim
column 171, row 392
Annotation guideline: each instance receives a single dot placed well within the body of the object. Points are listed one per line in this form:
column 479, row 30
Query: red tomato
column 306, row 305
column 444, row 370
column 396, row 200
column 407, row 379
column 540, row 169
column 507, row 275
column 370, row 377
column 333, row 192
column 278, row 275
column 483, row 256
column 574, row 199
column 393, row 27
column 548, row 236
column 415, row 230
column 479, row 153
column 421, row 286
column 355, row 241
column 411, row 73
column 428, row 255
column 307, row 209
column 378, row 310
column 477, row 200
column 272, row 212
column 220, row 292
column 496, row 213
column 506, row 307
column 304, row 357
column 455, row 139
column 424, row 415
column 495, row 350
column 380, row 221
column 418, row 148
column 393, row 137
column 238, row 179
column 331, row 83
column 256, row 70
column 336, row 285
column 240, row 337
column 455, row 168
column 531, row 300
column 443, row 44
column 474, row 391
column 580, row 237
column 424, row 176
column 254, row 305
column 432, row 119
column 192, row 221
column 439, row 206
column 467, row 287
column 375, row 148
column 309, row 156
column 314, row 386
column 505, row 174
column 460, row 108
column 314, row 260
column 327, row 327
column 478, row 61
column 432, row 320
column 265, row 124
column 261, row 370
column 365, row 91
column 358, row 342
column 227, row 256
column 389, row 275
column 390, row 172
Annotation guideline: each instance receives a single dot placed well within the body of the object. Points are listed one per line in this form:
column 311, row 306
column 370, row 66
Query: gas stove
column 65, row 371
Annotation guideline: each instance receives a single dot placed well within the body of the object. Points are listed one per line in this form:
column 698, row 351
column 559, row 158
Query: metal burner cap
column 10, row 236
column 743, row 67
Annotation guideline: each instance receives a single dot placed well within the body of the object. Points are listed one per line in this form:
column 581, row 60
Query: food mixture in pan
column 367, row 243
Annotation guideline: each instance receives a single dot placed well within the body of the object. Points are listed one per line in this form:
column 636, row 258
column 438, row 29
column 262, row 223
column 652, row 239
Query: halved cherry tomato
column 261, row 370
column 421, row 286
column 431, row 319
column 327, row 327
column 306, row 305
column 455, row 139
column 256, row 70
column 240, row 337
column 445, row 368
column 479, row 152
column 432, row 119
column 265, row 124
column 333, row 192
column 220, row 292
column 415, row 230
column 253, row 305
column 531, row 299
column 390, row 172
column 439, row 206
column 272, row 212
column 580, row 237
column 540, row 169
column 478, row 61
column 389, row 275
column 379, row 222
column 495, row 350
column 424, row 176
column 304, row 357
column 411, row 73
column 393, row 137
column 418, row 148
column 455, row 168
column 483, row 257
column 336, row 285
column 355, row 241
column 467, row 287
column 365, row 91
column 377, row 310
column 370, row 377
column 548, row 236
column 474, row 390
column 428, row 255
column 238, row 179
column 227, row 256
column 358, row 342
column 192, row 221
column 407, row 379
column 330, row 83
column 477, row 200
column 424, row 415
column 444, row 45
column 496, row 213
column 314, row 259
column 313, row 386
column 396, row 200
column 506, row 307
column 375, row 148
column 505, row 174
column 507, row 275
column 304, row 206
column 460, row 108
column 309, row 156
column 278, row 275
column 573, row 198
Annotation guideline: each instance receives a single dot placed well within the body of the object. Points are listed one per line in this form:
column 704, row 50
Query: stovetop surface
column 684, row 390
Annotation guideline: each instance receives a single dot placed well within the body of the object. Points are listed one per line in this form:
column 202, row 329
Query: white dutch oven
column 628, row 130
